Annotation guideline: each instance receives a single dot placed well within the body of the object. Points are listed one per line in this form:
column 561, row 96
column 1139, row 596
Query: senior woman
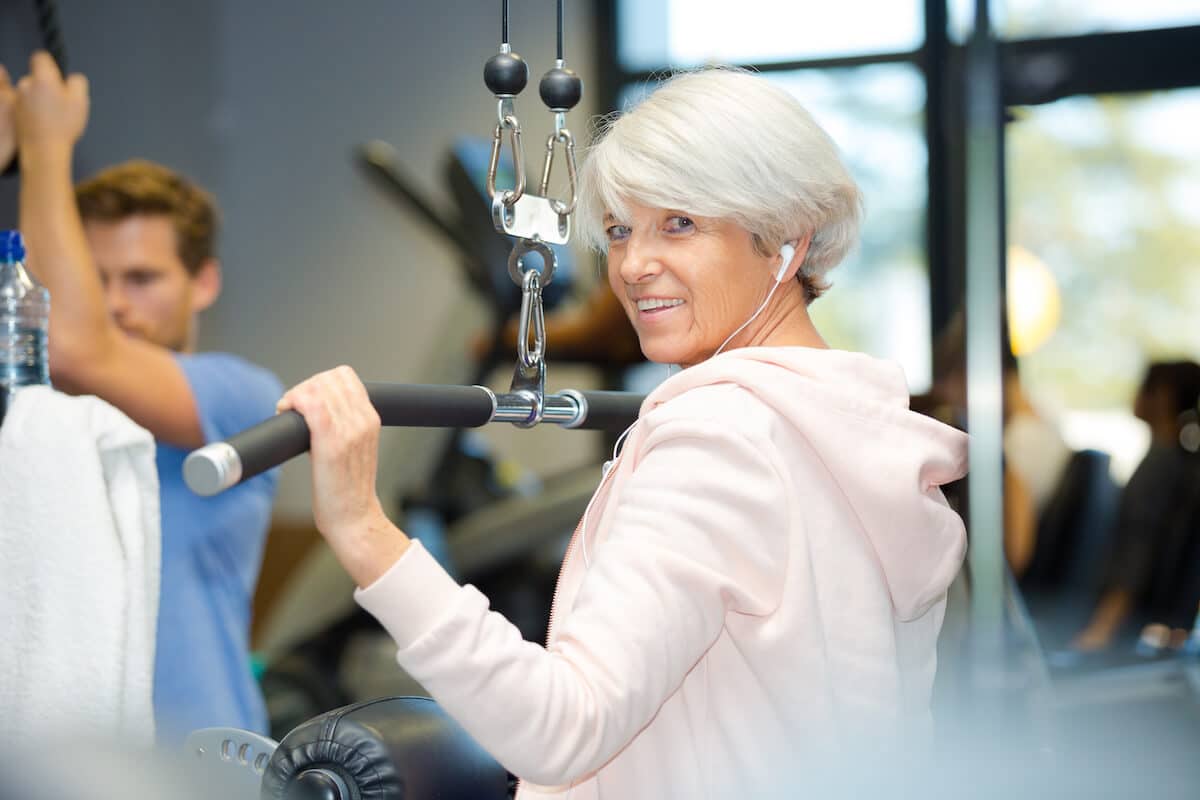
column 760, row 578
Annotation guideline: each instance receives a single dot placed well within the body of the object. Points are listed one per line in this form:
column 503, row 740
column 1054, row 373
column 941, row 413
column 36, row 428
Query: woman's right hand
column 344, row 450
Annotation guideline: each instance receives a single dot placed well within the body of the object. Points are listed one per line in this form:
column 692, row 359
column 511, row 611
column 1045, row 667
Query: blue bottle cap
column 12, row 247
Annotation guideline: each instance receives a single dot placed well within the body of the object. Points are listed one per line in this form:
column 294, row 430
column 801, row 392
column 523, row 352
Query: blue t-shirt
column 211, row 553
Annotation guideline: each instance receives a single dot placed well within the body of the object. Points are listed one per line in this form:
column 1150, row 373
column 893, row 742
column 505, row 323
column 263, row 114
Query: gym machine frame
column 414, row 748
column 535, row 221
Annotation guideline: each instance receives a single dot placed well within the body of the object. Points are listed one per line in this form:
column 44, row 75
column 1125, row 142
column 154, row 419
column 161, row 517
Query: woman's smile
column 653, row 310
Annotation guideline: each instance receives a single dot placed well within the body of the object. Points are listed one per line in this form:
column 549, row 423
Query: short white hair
column 725, row 143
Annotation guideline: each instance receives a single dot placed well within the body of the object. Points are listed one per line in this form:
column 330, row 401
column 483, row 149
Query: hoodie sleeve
column 698, row 532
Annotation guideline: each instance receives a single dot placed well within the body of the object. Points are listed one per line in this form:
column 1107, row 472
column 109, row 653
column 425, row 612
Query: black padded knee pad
column 398, row 748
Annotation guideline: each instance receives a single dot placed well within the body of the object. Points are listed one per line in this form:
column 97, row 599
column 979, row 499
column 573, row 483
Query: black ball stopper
column 506, row 74
column 560, row 89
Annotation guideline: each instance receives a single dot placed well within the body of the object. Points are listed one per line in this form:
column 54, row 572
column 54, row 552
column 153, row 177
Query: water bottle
column 24, row 321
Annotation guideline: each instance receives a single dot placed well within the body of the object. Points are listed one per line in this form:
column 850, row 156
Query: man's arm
column 1020, row 523
column 89, row 354
column 8, row 127
column 1110, row 614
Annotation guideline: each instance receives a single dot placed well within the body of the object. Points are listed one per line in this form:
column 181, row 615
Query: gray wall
column 154, row 86
column 263, row 103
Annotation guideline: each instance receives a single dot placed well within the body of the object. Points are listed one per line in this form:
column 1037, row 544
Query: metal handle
column 221, row 465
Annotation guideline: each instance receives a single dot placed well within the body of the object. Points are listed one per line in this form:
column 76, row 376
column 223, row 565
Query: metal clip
column 561, row 135
column 531, row 217
column 517, row 271
column 529, row 377
column 510, row 122
column 531, row 316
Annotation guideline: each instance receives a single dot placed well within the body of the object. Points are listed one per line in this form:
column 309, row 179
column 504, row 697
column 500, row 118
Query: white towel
column 80, row 551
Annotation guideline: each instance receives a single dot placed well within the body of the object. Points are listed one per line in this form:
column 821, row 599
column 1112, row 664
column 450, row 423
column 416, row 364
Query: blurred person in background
column 1035, row 454
column 129, row 257
column 1161, row 489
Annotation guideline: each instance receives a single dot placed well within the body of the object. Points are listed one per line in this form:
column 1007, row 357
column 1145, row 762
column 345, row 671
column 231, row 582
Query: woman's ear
column 791, row 255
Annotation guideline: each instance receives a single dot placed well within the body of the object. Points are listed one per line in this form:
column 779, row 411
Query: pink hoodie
column 760, row 584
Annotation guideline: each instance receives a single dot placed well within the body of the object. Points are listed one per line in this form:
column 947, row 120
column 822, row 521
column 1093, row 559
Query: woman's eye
column 677, row 224
column 616, row 233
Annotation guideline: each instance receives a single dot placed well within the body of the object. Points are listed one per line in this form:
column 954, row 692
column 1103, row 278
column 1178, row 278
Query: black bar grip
column 221, row 465
column 269, row 444
column 610, row 411
column 415, row 406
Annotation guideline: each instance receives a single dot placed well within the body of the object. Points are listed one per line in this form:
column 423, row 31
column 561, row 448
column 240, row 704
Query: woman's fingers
column 344, row 442
column 336, row 397
column 344, row 445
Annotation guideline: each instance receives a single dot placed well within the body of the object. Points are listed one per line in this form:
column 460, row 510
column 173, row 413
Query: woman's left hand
column 344, row 429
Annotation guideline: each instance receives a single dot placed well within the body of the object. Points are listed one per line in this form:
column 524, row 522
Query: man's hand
column 8, row 123
column 51, row 113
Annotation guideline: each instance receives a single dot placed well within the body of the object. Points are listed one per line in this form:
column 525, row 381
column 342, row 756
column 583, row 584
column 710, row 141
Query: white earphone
column 786, row 253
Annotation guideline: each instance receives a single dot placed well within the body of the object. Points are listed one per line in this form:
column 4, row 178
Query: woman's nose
column 642, row 261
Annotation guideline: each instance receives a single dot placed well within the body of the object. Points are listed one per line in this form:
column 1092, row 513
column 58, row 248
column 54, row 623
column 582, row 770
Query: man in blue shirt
column 129, row 260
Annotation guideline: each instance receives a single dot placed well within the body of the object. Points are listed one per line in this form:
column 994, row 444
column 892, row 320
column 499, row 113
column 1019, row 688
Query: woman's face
column 686, row 282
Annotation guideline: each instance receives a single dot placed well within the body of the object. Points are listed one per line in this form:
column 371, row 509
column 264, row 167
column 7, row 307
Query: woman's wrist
column 370, row 548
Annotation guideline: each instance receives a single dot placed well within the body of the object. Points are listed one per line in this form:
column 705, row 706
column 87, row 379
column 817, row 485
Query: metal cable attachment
column 508, row 122
column 526, row 407
column 529, row 376
column 531, row 316
column 562, row 135
column 517, row 268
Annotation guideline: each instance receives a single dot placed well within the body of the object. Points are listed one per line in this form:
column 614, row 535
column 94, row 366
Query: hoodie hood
column 888, row 460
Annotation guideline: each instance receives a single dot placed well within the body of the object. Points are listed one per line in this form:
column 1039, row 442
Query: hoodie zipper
column 575, row 538
column 558, row 581
column 612, row 466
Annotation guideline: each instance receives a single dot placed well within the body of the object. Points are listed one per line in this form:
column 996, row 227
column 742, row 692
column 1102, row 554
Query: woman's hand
column 344, row 450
